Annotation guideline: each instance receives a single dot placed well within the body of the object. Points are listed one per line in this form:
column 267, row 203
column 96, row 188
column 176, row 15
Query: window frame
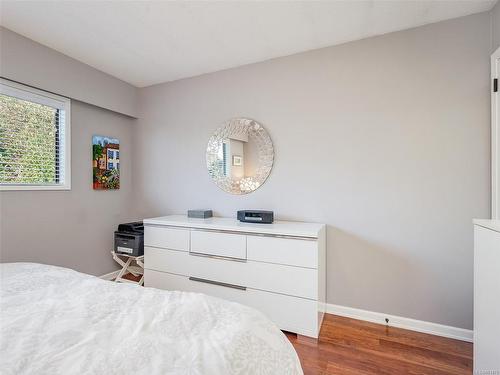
column 28, row 93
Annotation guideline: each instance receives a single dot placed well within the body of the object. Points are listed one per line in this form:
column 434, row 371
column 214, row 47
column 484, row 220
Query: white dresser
column 276, row 268
column 486, row 296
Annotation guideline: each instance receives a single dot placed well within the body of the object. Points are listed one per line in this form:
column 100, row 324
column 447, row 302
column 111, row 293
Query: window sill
column 34, row 187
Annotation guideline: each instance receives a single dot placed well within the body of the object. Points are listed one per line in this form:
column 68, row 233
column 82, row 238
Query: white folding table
column 130, row 264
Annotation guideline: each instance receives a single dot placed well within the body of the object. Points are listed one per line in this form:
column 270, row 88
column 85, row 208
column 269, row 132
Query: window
column 117, row 155
column 110, row 165
column 110, row 154
column 225, row 163
column 34, row 139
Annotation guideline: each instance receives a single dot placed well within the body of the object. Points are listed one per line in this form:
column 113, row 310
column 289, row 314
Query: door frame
column 495, row 137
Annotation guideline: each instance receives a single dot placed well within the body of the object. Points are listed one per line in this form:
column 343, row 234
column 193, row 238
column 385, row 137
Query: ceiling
column 149, row 42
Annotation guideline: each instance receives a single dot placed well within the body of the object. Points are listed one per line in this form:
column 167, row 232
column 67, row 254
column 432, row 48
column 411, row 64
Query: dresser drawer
column 294, row 252
column 292, row 281
column 288, row 313
column 167, row 238
column 220, row 244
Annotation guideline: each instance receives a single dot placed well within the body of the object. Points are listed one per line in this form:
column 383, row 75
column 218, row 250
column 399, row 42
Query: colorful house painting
column 105, row 162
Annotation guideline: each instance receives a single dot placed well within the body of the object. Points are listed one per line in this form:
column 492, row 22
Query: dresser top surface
column 283, row 228
column 490, row 224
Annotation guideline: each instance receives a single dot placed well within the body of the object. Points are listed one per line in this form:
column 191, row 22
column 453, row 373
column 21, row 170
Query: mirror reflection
column 240, row 156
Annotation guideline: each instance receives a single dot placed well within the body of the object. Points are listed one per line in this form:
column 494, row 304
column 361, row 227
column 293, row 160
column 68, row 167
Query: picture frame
column 237, row 160
column 105, row 163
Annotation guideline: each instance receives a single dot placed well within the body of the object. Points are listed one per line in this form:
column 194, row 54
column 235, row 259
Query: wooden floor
column 354, row 347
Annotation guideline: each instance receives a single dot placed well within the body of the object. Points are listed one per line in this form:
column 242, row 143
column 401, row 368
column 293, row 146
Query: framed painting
column 105, row 163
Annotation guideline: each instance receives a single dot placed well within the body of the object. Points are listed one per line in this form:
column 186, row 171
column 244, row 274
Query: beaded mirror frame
column 240, row 172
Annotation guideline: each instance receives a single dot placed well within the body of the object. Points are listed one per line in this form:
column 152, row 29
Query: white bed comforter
column 58, row 321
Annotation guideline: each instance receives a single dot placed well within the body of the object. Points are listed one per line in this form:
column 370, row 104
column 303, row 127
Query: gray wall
column 28, row 62
column 386, row 140
column 72, row 228
column 495, row 27
column 69, row 228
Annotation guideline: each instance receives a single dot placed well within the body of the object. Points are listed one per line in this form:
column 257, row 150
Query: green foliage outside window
column 27, row 142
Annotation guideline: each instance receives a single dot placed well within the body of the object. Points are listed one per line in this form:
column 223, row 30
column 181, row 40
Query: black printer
column 129, row 239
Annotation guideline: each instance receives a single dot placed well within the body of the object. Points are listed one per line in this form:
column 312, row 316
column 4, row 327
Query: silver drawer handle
column 239, row 287
column 257, row 234
column 216, row 257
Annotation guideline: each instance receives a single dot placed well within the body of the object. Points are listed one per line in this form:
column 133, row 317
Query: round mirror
column 240, row 156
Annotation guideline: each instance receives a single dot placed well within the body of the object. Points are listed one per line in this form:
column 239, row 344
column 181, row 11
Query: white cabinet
column 293, row 252
column 278, row 269
column 486, row 296
column 168, row 238
column 220, row 244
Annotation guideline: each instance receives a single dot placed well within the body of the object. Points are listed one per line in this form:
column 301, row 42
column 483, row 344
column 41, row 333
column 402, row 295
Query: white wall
column 28, row 62
column 236, row 149
column 386, row 140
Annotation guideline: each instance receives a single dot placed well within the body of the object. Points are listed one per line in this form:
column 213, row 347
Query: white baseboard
column 400, row 322
column 110, row 276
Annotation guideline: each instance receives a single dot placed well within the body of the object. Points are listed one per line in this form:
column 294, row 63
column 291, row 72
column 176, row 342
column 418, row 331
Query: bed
column 55, row 320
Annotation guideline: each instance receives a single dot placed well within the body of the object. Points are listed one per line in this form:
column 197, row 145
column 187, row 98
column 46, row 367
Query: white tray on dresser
column 276, row 268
